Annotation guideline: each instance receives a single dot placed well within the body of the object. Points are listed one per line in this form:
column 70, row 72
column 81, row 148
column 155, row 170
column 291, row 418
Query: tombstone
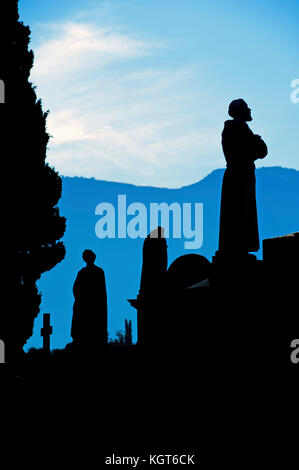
column 282, row 251
column 149, row 300
column 46, row 331
column 281, row 260
column 188, row 292
column 154, row 260
column 188, row 270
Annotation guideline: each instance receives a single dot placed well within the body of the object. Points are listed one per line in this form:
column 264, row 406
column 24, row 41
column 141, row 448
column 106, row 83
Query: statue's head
column 238, row 109
column 89, row 257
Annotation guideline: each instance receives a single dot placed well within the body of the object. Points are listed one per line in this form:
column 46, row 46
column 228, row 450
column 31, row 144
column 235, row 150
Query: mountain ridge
column 278, row 213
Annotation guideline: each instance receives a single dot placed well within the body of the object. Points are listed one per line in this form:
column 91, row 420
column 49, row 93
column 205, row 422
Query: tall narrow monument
column 149, row 299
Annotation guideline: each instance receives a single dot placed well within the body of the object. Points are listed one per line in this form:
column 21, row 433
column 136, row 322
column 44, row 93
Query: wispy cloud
column 78, row 45
column 112, row 116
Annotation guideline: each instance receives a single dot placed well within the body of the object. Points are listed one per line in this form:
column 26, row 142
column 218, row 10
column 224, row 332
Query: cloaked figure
column 89, row 325
column 238, row 217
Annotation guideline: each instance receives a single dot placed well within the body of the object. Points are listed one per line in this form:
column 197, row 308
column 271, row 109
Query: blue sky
column 138, row 90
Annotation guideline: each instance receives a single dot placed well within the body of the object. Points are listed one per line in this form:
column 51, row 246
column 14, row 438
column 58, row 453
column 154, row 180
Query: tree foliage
column 32, row 223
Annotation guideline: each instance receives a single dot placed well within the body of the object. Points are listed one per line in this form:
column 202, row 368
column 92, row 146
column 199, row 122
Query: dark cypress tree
column 32, row 224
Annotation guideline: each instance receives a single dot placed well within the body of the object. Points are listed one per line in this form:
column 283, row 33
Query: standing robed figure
column 238, row 233
column 89, row 324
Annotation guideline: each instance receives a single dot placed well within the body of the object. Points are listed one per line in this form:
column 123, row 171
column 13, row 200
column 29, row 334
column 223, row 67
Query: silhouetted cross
column 46, row 331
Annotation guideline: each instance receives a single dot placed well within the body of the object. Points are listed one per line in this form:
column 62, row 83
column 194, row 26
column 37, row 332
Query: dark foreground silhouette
column 212, row 374
column 215, row 377
column 31, row 243
column 89, row 325
column 238, row 220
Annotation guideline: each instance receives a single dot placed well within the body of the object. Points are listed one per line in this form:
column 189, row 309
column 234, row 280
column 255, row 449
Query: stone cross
column 46, row 331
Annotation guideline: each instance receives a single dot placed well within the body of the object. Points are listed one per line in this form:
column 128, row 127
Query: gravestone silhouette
column 281, row 260
column 188, row 270
column 149, row 302
column 187, row 292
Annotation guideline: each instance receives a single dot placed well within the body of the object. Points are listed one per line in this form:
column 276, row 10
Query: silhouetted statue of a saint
column 89, row 325
column 238, row 218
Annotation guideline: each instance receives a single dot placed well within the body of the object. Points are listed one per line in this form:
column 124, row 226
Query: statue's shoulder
column 98, row 269
column 231, row 126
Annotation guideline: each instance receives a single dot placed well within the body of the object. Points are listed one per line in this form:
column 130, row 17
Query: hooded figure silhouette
column 238, row 216
column 89, row 325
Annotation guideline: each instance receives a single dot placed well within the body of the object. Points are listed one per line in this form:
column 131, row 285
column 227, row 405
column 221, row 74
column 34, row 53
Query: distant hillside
column 278, row 212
